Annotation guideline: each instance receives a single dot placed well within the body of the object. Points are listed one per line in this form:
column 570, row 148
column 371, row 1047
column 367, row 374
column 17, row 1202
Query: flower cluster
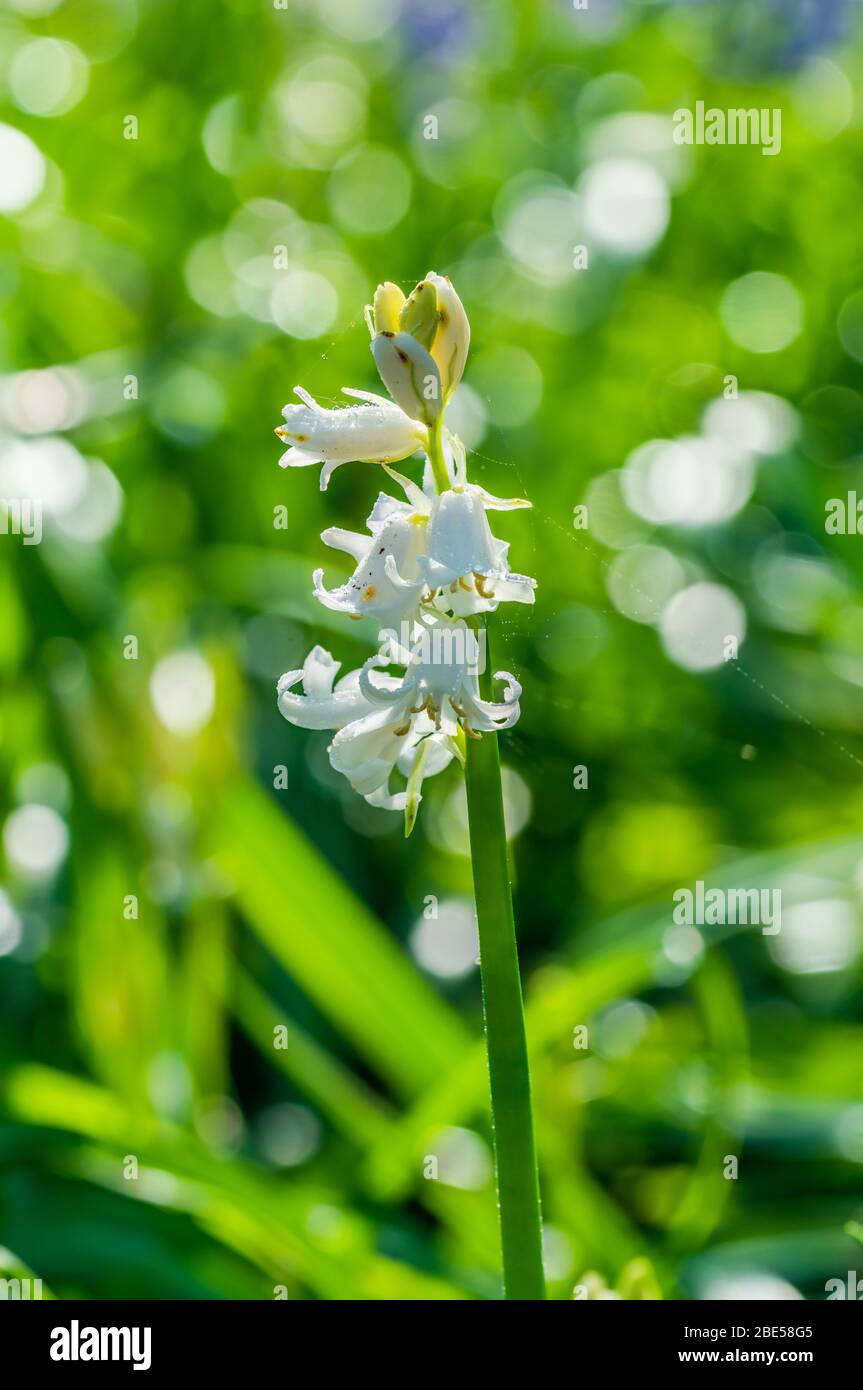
column 426, row 570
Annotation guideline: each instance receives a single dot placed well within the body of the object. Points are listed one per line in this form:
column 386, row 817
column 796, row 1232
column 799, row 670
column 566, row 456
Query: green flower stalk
column 431, row 573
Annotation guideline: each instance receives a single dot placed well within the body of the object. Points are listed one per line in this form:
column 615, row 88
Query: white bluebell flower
column 425, row 570
column 375, row 432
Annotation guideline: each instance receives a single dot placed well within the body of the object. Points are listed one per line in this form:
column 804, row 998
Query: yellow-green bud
column 452, row 339
column 419, row 315
column 389, row 299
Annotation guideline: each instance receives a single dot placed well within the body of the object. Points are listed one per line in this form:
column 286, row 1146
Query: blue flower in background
column 814, row 24
column 437, row 30
column 775, row 35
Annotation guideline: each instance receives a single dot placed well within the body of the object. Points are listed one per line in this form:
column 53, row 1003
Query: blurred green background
column 196, row 201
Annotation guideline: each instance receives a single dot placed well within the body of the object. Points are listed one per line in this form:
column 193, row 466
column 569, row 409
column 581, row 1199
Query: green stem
column 435, row 455
column 512, row 1120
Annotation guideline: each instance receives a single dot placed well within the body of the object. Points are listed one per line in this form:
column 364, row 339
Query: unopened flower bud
column 419, row 315
column 410, row 374
column 452, row 338
column 389, row 299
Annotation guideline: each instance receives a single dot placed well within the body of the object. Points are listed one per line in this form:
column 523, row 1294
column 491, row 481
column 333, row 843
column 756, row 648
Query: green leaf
column 332, row 945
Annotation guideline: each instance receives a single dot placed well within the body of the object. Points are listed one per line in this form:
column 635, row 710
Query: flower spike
column 425, row 567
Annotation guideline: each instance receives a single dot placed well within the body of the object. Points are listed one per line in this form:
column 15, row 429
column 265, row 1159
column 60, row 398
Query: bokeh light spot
column 48, row 77
column 36, row 841
column 23, row 167
column 183, row 692
column 304, row 304
column 702, row 626
column 762, row 312
column 641, row 581
column 369, row 190
column 447, row 945
column 626, row 205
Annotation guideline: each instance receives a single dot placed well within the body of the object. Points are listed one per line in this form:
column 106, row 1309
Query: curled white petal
column 489, row 716
column 295, row 457
column 374, row 694
column 386, row 800
column 412, row 587
column 320, row 706
column 319, row 672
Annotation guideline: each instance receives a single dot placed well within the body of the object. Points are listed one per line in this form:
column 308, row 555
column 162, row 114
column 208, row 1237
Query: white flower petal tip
column 489, row 716
column 373, row 397
column 288, row 681
column 420, row 498
column 512, row 689
column 297, row 458
column 500, row 504
column 515, row 588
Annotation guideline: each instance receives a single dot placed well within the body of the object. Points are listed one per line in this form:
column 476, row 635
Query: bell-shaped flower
column 377, row 739
column 388, row 581
column 368, row 752
column 461, row 554
column 374, row 432
column 465, row 560
column 442, row 678
column 419, row 721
